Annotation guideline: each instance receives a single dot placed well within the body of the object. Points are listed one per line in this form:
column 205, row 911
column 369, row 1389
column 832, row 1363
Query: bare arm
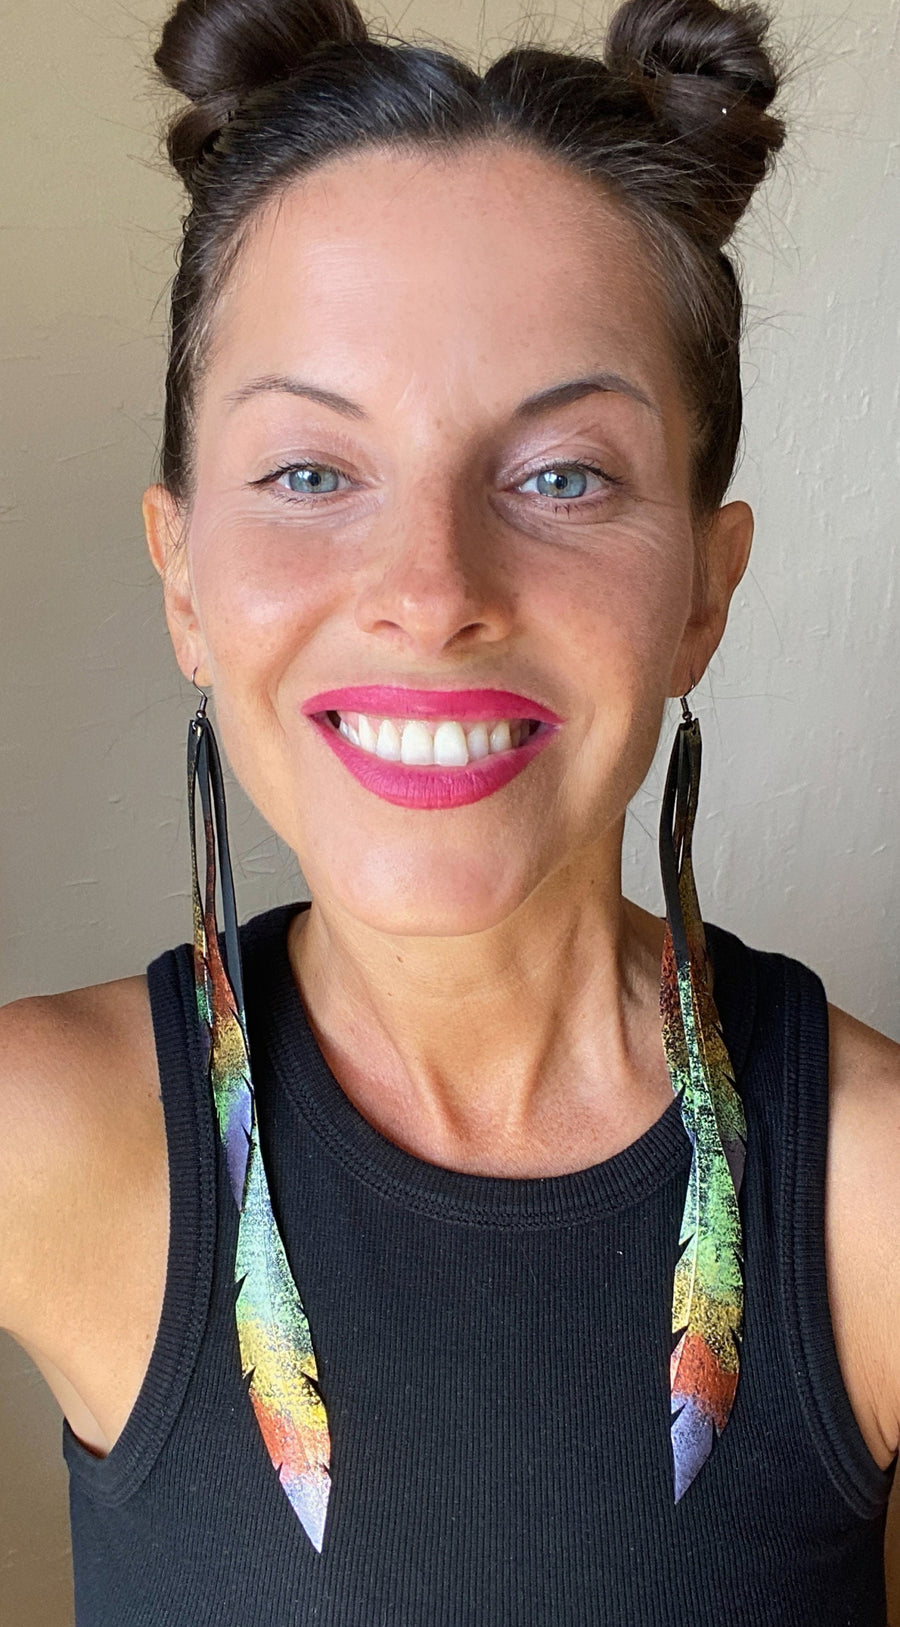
column 46, row 1140
column 84, row 1199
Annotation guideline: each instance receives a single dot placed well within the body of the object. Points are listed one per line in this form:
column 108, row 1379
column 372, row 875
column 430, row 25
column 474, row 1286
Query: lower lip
column 433, row 787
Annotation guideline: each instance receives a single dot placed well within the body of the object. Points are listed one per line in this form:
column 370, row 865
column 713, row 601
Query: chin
column 433, row 890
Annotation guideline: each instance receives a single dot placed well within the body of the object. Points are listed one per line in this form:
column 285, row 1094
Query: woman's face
column 441, row 448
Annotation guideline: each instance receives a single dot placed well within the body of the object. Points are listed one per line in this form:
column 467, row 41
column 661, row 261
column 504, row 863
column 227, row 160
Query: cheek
column 622, row 609
column 619, row 626
column 261, row 591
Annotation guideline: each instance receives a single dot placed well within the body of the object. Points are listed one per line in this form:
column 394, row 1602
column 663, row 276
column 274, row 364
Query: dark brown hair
column 673, row 122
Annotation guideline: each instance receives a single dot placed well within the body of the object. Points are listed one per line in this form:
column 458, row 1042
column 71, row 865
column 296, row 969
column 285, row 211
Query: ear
column 164, row 525
column 723, row 552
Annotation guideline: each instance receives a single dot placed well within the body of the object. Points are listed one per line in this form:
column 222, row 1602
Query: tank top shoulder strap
column 779, row 1008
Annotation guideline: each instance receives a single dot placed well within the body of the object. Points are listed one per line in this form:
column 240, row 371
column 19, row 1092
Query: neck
column 531, row 1048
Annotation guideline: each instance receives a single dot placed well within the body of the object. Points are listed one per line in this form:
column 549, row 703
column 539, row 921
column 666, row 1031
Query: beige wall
column 798, row 841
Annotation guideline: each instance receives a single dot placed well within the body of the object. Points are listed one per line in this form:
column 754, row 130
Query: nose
column 438, row 585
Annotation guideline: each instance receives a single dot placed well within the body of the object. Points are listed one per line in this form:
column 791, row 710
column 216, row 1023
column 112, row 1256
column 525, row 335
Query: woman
column 403, row 1288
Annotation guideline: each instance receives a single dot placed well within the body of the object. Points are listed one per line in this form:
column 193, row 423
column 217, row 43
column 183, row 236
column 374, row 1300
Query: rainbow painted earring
column 708, row 1297
column 276, row 1351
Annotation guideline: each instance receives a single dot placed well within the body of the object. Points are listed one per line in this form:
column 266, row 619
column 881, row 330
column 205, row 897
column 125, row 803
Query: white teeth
column 417, row 744
column 450, row 748
column 387, row 744
column 478, row 741
column 368, row 737
column 449, row 744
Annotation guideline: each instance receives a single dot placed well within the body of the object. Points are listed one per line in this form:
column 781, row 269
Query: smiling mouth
column 425, row 743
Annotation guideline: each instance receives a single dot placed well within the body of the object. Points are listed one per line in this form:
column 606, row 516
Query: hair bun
column 708, row 77
column 216, row 52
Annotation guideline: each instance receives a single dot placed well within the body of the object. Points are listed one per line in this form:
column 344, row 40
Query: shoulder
column 79, row 1098
column 69, row 1061
column 863, row 1221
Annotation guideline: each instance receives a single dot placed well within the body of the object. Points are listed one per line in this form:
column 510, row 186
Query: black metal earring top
column 201, row 709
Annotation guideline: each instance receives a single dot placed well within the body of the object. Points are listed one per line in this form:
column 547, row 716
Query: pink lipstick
column 379, row 732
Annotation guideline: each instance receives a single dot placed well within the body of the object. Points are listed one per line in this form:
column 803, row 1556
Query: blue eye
column 310, row 479
column 566, row 481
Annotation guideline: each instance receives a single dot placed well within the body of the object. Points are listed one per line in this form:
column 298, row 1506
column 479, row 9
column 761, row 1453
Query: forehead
column 470, row 274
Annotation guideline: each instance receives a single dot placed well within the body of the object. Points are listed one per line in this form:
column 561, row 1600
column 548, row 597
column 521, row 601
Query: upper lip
column 394, row 700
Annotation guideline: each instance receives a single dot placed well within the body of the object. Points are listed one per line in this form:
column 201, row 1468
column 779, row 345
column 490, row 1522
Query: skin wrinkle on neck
column 528, row 1014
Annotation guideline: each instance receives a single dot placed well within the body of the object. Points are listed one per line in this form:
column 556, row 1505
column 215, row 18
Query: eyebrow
column 280, row 383
column 555, row 395
column 559, row 395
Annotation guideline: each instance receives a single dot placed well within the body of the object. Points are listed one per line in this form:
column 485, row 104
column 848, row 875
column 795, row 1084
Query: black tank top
column 494, row 1357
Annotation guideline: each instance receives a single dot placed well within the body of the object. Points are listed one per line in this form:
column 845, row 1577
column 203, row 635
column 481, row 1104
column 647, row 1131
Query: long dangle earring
column 276, row 1352
column 708, row 1297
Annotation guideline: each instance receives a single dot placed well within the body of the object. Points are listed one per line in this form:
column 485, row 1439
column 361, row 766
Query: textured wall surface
column 797, row 841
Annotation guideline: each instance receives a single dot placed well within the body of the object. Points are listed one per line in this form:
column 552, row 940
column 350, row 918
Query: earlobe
column 164, row 526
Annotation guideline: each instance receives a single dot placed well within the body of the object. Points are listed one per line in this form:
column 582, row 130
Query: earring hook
column 201, row 709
